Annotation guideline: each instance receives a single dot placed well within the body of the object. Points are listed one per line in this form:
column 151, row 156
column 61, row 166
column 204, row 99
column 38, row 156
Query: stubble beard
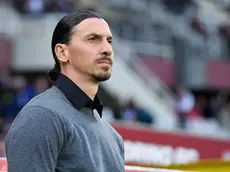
column 102, row 76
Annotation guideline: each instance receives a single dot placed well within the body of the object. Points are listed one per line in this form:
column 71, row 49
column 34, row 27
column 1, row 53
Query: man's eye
column 110, row 41
column 92, row 38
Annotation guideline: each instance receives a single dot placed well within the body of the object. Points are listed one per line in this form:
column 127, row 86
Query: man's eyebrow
column 110, row 37
column 99, row 35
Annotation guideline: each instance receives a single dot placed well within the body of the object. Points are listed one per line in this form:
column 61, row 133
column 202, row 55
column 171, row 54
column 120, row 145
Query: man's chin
column 101, row 78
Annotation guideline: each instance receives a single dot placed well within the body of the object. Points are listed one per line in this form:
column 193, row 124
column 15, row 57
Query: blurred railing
column 142, row 169
column 153, row 84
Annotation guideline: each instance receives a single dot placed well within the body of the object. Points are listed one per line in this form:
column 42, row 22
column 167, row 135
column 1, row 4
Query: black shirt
column 76, row 96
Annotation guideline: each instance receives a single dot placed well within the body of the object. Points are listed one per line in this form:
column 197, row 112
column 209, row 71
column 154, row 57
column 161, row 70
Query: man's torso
column 90, row 143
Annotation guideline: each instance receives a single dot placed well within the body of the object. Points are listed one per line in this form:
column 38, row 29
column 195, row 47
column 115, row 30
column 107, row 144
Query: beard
column 104, row 73
column 102, row 76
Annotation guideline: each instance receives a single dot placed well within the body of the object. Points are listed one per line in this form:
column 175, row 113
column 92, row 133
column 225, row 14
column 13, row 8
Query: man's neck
column 84, row 83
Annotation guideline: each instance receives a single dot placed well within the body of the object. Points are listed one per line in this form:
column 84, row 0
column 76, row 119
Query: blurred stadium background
column 169, row 95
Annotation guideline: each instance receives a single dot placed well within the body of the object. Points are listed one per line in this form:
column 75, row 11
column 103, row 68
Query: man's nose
column 106, row 48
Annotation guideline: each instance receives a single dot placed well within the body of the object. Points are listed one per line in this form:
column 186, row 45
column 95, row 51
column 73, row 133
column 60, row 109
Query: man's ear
column 62, row 52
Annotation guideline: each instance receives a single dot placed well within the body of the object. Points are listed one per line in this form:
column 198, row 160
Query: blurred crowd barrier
column 142, row 169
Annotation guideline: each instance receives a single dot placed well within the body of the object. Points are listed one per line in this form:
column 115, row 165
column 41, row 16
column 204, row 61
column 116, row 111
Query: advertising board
column 150, row 147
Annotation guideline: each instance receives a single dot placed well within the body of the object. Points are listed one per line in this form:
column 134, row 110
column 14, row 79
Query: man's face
column 90, row 49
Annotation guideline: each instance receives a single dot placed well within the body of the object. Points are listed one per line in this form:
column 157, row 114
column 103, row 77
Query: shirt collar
column 76, row 96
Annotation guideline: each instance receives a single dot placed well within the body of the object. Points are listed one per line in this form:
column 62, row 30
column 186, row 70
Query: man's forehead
column 95, row 25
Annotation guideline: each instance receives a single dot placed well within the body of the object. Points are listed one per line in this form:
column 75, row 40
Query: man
column 62, row 130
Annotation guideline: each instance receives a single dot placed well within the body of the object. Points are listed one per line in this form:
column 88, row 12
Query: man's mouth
column 105, row 62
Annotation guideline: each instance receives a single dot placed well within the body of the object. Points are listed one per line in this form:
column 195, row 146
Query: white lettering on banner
column 226, row 156
column 148, row 153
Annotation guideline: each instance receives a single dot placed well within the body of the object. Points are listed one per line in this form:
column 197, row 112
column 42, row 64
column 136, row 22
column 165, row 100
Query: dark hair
column 62, row 34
